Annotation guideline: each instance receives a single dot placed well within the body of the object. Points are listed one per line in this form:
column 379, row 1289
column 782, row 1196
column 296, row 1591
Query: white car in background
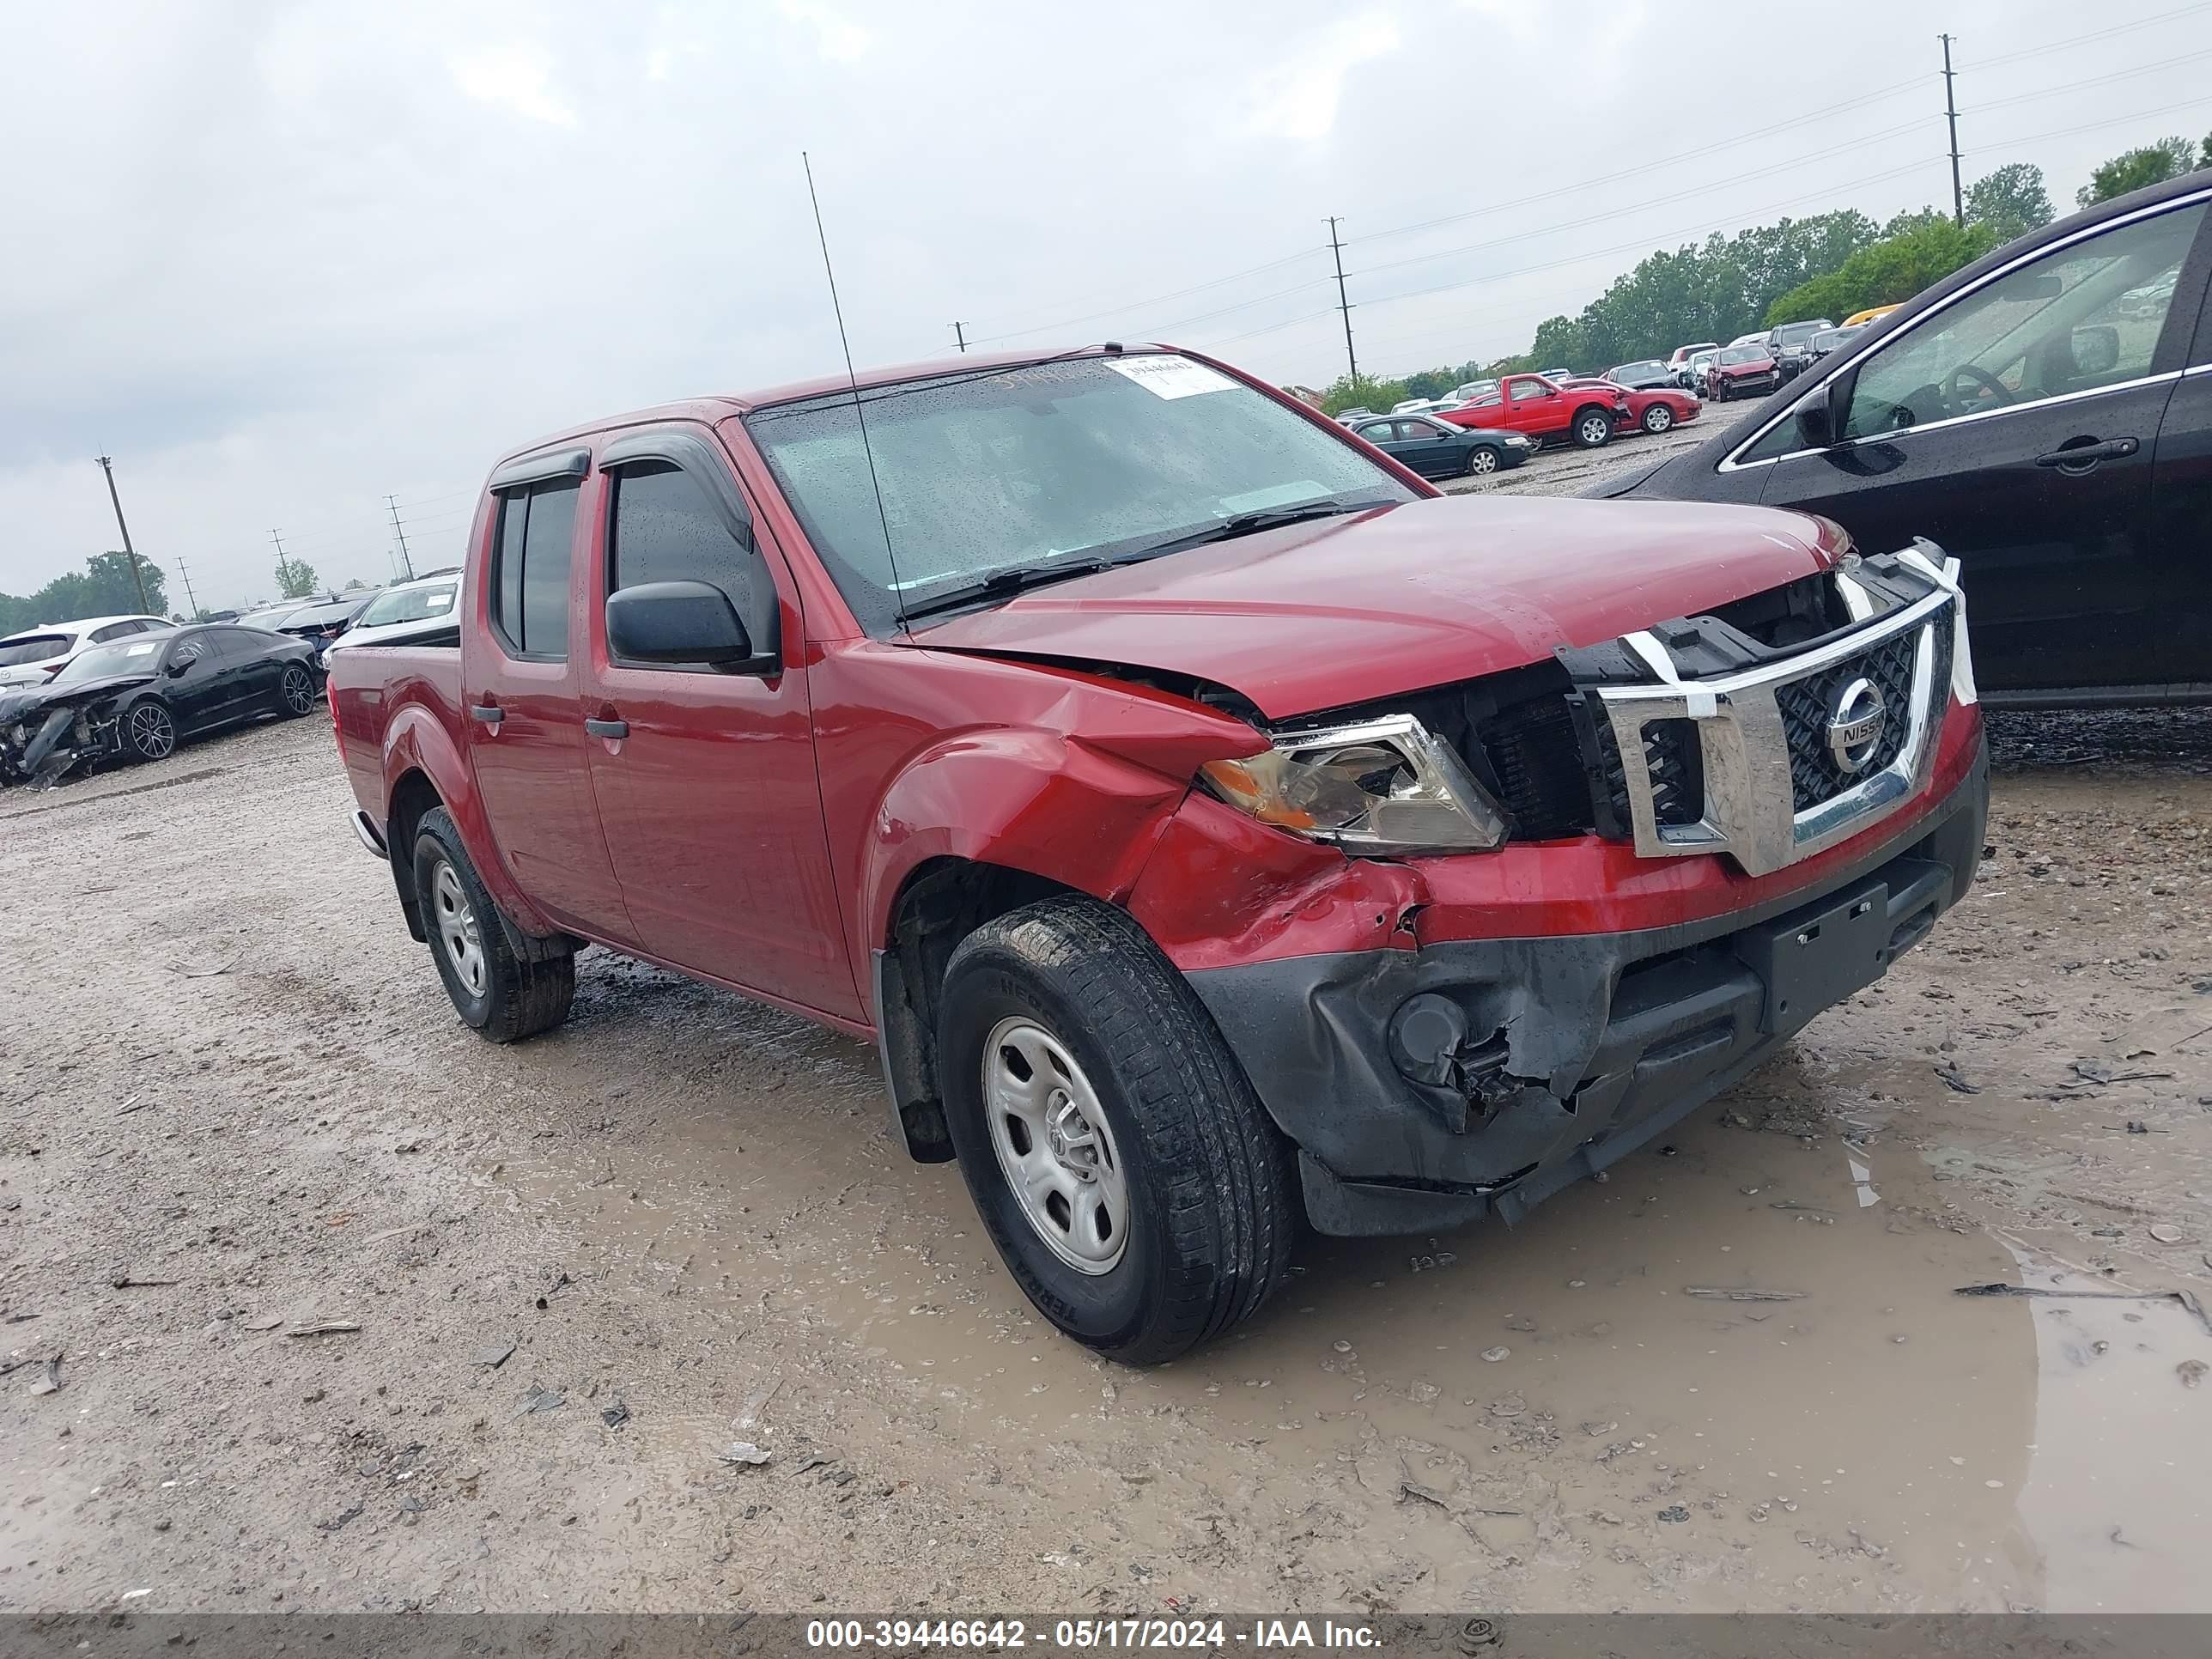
column 403, row 612
column 37, row 654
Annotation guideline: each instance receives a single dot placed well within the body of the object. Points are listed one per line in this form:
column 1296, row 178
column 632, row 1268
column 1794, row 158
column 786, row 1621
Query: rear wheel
column 295, row 692
column 504, row 989
column 1593, row 426
column 1658, row 418
column 149, row 730
column 1130, row 1178
column 1481, row 461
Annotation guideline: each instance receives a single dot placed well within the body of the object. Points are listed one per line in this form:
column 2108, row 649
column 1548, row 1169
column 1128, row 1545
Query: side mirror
column 1821, row 418
column 685, row 623
column 178, row 664
column 2097, row 349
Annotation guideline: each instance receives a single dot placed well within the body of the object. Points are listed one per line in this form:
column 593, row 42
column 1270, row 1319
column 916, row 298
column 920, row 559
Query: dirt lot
column 234, row 1100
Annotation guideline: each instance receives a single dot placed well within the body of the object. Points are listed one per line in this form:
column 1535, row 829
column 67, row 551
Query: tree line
column 1828, row 265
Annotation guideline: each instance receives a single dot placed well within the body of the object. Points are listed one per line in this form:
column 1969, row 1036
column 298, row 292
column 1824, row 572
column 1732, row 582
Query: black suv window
column 530, row 569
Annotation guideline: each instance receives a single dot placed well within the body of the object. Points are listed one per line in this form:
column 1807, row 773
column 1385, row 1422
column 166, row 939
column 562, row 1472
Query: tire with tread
column 1482, row 460
column 1659, row 417
column 525, row 992
column 137, row 738
column 1588, row 419
column 1213, row 1213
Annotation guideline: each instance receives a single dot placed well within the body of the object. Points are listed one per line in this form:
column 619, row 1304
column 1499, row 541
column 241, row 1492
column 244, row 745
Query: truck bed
column 385, row 697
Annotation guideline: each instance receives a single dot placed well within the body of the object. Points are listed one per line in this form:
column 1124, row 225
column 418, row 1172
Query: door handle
column 489, row 712
column 2081, row 457
column 607, row 728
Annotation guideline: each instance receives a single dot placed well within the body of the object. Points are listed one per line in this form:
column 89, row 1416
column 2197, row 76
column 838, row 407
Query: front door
column 1533, row 406
column 2017, row 427
column 525, row 719
column 708, row 779
column 197, row 684
column 253, row 672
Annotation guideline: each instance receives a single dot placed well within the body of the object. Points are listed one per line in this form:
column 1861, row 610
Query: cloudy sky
column 280, row 260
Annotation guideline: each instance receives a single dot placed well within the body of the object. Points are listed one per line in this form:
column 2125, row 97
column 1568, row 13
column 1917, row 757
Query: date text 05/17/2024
column 1088, row 1635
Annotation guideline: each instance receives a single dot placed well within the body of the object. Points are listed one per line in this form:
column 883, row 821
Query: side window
column 238, row 642
column 1522, row 390
column 2082, row 317
column 1376, row 432
column 193, row 654
column 112, row 631
column 530, row 573
column 1420, row 430
column 665, row 529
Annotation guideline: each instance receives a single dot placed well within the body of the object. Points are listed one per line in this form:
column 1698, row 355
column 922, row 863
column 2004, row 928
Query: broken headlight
column 1380, row 785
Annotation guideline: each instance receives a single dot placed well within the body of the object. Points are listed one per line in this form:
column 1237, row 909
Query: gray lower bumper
column 1427, row 1088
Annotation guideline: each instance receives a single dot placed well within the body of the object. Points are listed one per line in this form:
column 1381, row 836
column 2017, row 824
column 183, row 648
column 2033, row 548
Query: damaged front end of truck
column 1489, row 960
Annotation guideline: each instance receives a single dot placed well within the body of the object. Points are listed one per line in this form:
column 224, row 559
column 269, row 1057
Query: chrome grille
column 1769, row 792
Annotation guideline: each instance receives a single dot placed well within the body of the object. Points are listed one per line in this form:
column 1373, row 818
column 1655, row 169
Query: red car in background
column 1742, row 371
column 1586, row 415
column 1655, row 408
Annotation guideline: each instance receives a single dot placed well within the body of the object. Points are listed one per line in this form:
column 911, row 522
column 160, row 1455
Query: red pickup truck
column 1547, row 411
column 1210, row 826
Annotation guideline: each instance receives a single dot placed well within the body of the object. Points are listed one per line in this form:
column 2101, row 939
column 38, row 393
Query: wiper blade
column 1001, row 585
column 1246, row 524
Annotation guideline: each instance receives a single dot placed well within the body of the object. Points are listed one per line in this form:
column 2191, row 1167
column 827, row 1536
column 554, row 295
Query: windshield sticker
column 441, row 601
column 1170, row 377
column 1258, row 501
column 140, row 650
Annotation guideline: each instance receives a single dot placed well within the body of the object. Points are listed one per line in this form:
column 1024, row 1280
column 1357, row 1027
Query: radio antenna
column 853, row 381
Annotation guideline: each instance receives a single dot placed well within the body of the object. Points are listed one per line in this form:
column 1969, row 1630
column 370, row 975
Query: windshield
column 1829, row 338
column 1025, row 468
column 1742, row 354
column 270, row 616
column 406, row 605
column 1794, row 333
column 1643, row 371
column 124, row 657
column 44, row 648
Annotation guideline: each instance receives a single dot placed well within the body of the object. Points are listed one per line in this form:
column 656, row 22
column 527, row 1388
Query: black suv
column 2045, row 414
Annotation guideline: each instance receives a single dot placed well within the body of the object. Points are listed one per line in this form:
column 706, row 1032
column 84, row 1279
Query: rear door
column 2018, row 427
column 707, row 778
column 2181, row 496
column 252, row 671
column 521, row 699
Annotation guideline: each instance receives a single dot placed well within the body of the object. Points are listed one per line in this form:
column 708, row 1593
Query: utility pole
column 1344, row 305
column 283, row 565
column 191, row 601
column 393, row 501
column 1951, row 110
column 960, row 337
column 137, row 576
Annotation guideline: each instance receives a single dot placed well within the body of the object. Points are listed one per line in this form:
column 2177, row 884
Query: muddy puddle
column 1555, row 1402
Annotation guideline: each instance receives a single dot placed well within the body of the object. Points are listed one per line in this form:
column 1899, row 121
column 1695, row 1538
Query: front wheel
column 149, row 730
column 502, row 990
column 1122, row 1165
column 295, row 692
column 1593, row 428
column 1481, row 461
column 1658, row 418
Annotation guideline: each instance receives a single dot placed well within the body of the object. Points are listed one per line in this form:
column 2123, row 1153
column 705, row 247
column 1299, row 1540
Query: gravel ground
column 556, row 1282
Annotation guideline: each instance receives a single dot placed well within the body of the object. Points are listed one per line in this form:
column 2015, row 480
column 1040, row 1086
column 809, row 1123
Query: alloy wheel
column 152, row 733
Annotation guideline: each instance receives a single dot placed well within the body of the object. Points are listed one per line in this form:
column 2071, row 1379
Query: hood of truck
column 1345, row 610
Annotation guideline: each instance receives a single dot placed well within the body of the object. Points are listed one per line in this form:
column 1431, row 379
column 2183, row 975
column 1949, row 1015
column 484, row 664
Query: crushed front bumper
column 1427, row 1088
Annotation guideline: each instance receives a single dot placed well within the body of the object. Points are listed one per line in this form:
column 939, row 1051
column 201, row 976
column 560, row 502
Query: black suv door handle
column 489, row 712
column 2085, row 455
column 607, row 728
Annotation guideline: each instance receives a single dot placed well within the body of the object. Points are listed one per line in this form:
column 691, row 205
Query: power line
column 2131, row 118
column 1137, row 304
column 2093, row 80
column 2093, row 35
